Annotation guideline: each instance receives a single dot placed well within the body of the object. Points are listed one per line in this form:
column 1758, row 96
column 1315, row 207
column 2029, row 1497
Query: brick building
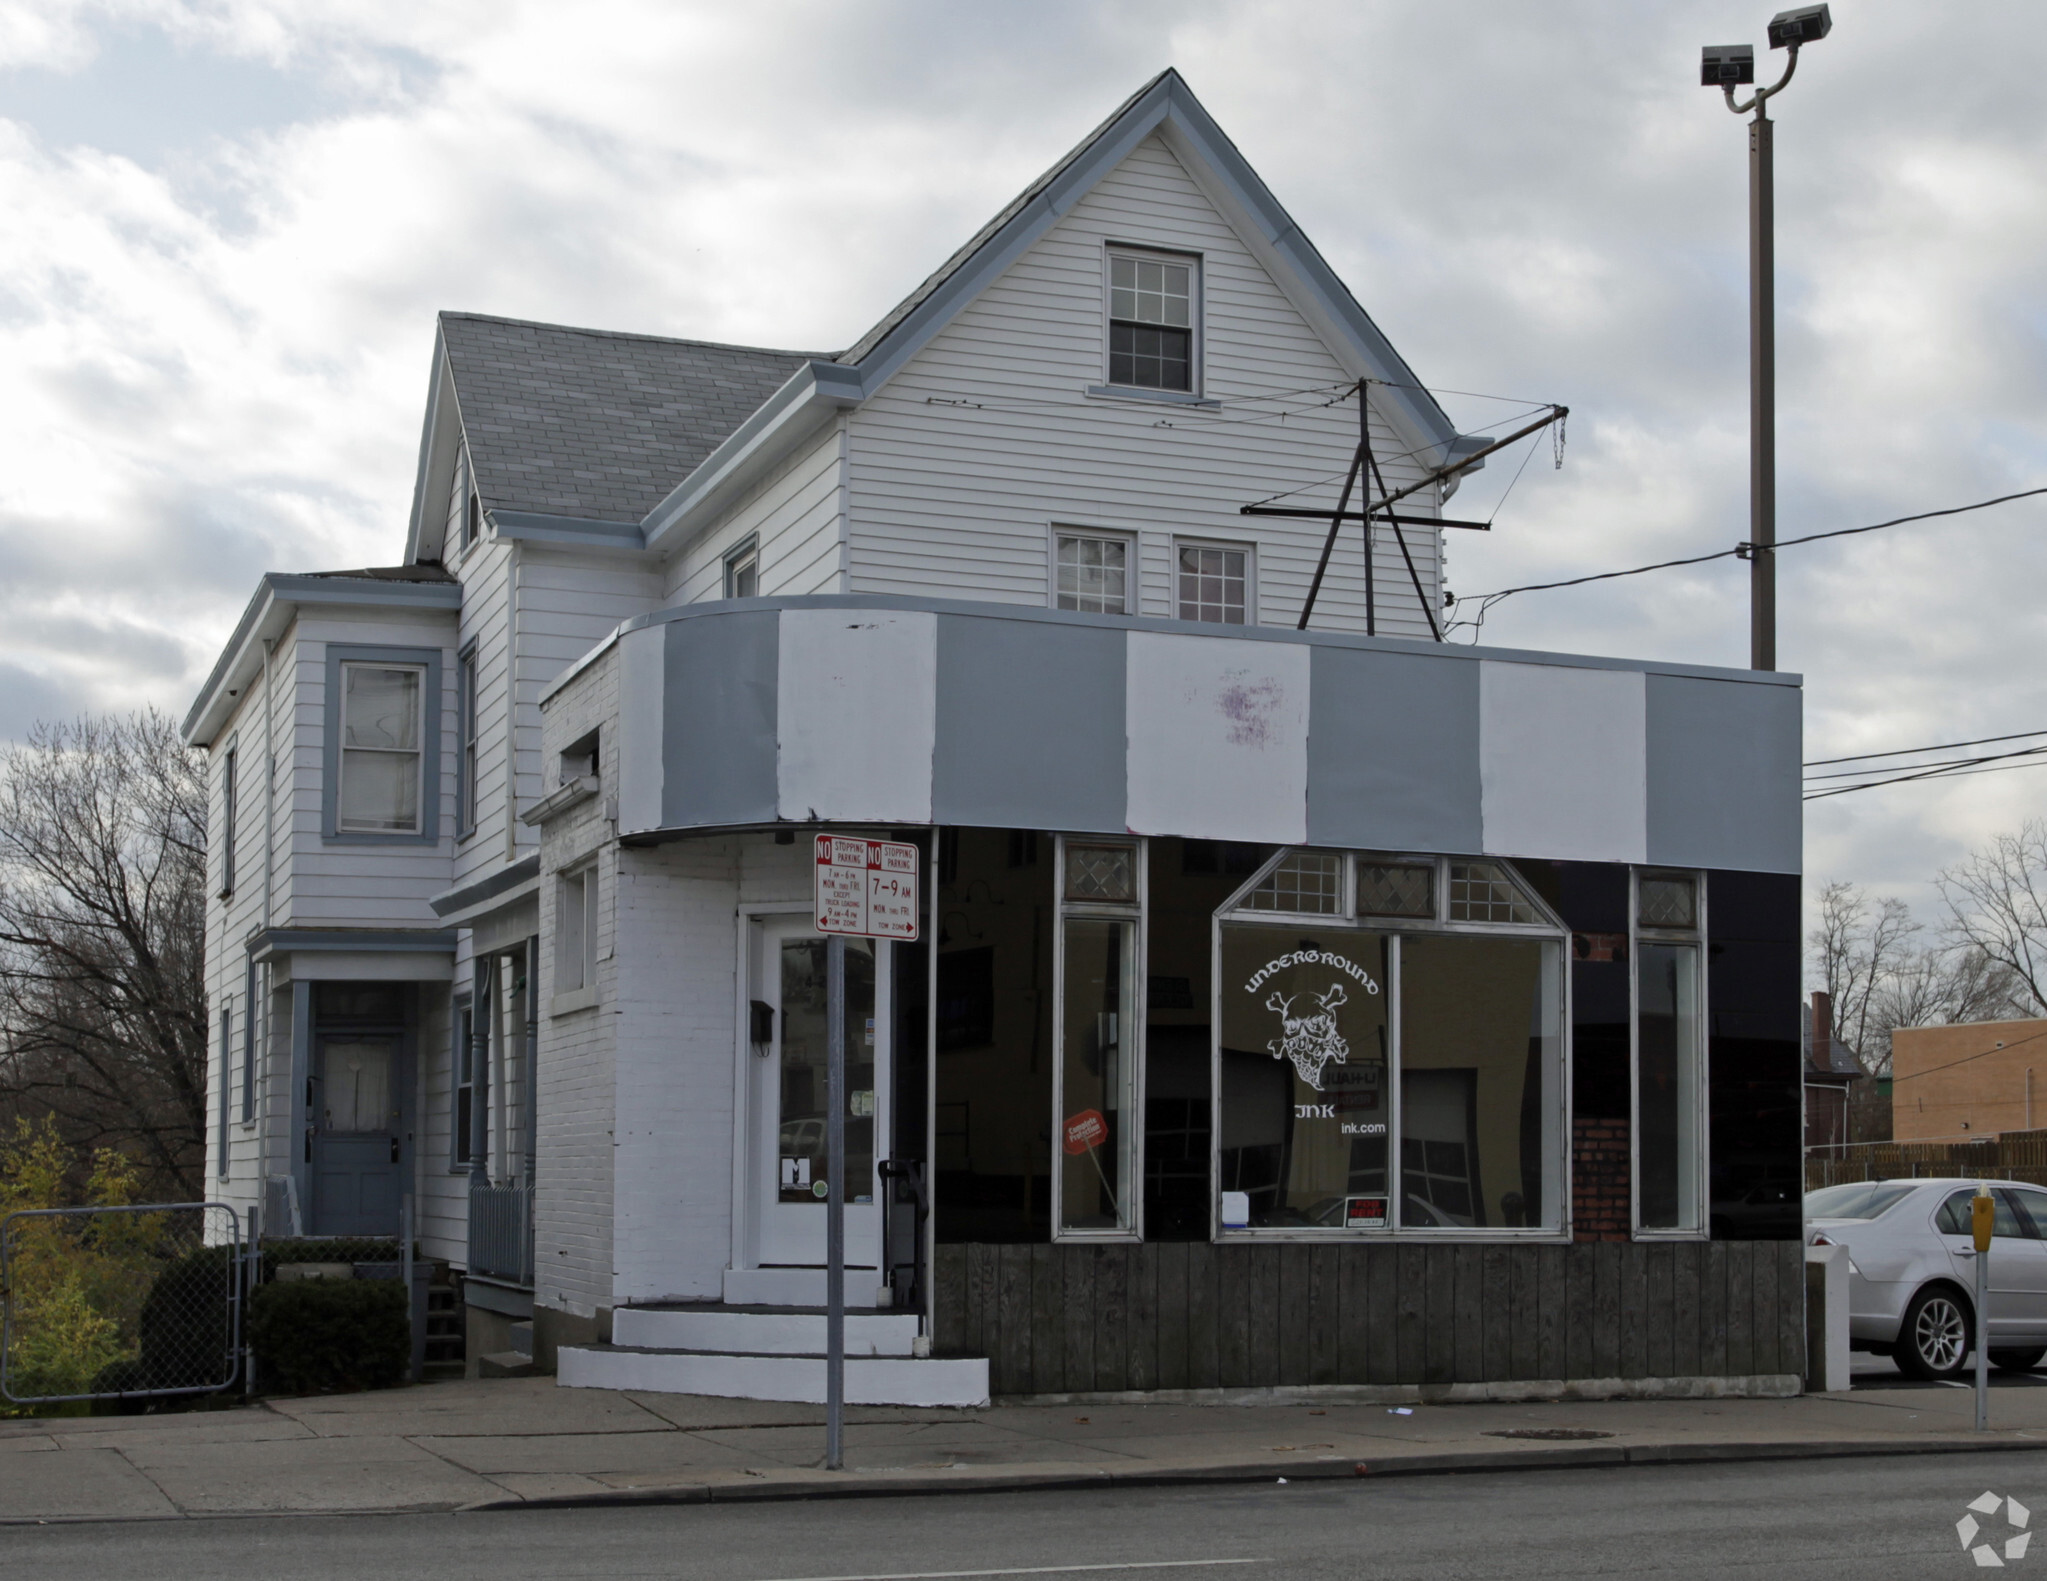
column 1961, row 1082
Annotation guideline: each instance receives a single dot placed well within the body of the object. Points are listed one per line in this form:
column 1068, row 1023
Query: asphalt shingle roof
column 592, row 423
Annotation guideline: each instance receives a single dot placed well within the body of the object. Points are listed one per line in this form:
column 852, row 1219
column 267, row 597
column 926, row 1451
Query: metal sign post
column 835, row 1204
column 868, row 889
column 1982, row 1221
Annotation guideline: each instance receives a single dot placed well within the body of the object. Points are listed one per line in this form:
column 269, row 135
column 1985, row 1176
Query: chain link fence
column 120, row 1303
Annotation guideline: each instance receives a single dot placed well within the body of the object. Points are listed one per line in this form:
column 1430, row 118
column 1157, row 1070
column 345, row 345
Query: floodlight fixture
column 1727, row 66
column 1800, row 25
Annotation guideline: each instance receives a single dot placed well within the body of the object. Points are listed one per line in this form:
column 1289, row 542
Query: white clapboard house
column 1291, row 1006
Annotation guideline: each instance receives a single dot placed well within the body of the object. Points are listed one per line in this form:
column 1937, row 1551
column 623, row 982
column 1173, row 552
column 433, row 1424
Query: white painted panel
column 1562, row 762
column 1218, row 738
column 642, row 680
column 857, row 703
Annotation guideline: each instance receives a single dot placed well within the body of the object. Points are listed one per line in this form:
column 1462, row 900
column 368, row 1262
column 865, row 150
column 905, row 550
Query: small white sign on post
column 866, row 887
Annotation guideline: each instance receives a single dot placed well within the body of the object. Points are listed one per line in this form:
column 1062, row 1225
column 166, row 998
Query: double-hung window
column 575, row 938
column 462, row 1061
column 1092, row 573
column 1670, row 1053
column 466, row 726
column 380, row 789
column 230, row 776
column 743, row 570
column 1152, row 311
column 1213, row 583
column 383, row 747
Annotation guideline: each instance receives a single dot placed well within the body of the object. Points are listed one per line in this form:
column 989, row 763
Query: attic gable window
column 1151, row 321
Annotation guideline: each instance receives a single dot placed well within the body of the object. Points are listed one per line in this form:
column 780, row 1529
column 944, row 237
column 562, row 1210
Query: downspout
column 512, row 706
column 265, row 1049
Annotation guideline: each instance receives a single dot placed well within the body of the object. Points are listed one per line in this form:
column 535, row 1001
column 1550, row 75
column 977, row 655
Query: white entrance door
column 786, row 1123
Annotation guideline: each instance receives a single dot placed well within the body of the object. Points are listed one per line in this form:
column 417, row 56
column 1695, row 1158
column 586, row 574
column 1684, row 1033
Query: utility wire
column 1938, row 746
column 1487, row 600
column 1965, row 765
column 1951, row 1064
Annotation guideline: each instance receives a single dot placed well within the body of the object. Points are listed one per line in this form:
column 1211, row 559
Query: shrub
column 316, row 1335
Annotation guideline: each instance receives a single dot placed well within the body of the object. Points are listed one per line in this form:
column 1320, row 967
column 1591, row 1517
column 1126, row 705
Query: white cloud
column 231, row 228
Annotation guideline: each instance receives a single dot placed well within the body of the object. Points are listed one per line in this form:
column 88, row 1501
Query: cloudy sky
column 228, row 227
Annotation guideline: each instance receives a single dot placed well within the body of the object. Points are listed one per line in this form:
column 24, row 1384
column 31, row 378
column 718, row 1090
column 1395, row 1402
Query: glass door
column 788, row 1088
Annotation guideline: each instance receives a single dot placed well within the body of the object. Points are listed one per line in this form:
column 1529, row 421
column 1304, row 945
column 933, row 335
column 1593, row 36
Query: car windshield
column 1861, row 1199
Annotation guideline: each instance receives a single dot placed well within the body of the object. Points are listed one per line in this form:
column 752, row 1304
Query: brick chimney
column 1822, row 1055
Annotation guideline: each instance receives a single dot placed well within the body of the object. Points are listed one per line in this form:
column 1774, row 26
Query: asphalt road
column 1865, row 1519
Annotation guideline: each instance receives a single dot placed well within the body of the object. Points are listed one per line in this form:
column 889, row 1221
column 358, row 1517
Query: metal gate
column 111, row 1303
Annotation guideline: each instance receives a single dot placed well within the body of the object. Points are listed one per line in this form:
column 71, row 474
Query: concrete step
column 506, row 1364
column 802, row 1287
column 870, row 1380
column 772, row 1331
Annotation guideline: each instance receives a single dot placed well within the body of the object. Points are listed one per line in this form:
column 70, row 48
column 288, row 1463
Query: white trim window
column 230, row 832
column 1389, row 1050
column 1213, row 583
column 1097, row 1099
column 1153, row 307
column 466, row 728
column 1669, row 1126
column 743, row 570
column 575, row 934
column 381, row 749
column 1092, row 572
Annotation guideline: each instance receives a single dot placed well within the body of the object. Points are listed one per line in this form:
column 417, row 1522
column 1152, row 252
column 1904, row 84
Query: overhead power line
column 1486, row 601
column 1938, row 746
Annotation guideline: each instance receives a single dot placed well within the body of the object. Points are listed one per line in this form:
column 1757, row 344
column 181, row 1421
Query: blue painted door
column 357, row 1166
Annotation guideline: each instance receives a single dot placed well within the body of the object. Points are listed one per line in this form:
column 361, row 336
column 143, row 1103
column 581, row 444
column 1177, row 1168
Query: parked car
column 1912, row 1270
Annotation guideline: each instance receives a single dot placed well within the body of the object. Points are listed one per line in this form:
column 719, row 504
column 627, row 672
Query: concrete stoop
column 769, row 1353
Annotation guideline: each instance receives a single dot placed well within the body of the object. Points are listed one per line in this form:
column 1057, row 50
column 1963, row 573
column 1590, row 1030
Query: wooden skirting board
column 1076, row 1319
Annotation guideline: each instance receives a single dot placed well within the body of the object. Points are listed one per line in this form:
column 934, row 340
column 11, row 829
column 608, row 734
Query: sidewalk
column 506, row 1443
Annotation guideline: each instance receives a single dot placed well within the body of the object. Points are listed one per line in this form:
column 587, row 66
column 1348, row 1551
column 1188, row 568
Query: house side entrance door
column 356, row 1141
column 786, row 1129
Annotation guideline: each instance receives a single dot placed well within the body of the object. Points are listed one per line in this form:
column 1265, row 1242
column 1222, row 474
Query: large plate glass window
column 1100, row 1021
column 1670, row 1060
column 1151, row 321
column 1367, row 998
column 380, row 748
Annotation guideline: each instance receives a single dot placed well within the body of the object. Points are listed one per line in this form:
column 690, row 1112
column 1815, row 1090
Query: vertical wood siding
column 960, row 465
column 1059, row 1319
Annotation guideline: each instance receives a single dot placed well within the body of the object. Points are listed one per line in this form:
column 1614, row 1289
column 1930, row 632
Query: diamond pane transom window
column 1394, row 889
column 1305, row 881
column 1214, row 584
column 1487, row 892
column 1101, row 872
column 1094, row 575
column 1151, row 323
column 1667, row 903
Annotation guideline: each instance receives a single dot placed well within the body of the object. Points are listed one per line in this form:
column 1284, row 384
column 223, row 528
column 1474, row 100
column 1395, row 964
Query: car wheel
column 2017, row 1360
column 1933, row 1341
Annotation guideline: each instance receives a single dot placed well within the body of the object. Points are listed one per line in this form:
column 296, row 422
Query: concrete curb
column 994, row 1479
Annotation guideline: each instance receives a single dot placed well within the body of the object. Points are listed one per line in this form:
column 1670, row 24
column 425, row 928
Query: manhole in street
column 1547, row 1432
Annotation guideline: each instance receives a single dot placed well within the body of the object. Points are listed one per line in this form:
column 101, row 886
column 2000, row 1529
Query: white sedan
column 1912, row 1270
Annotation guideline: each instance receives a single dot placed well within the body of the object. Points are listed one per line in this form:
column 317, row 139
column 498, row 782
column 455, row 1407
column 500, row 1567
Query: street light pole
column 1725, row 67
column 1762, row 395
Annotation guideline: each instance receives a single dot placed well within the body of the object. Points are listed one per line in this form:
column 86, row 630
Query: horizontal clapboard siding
column 1058, row 1319
column 797, row 514
column 961, row 465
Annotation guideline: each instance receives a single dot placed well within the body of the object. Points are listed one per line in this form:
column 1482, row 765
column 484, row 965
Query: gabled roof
column 593, row 424
column 636, row 441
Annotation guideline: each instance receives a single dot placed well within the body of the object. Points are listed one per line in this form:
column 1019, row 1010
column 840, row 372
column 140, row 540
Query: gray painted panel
column 1030, row 725
column 1724, row 775
column 719, row 711
column 1393, row 759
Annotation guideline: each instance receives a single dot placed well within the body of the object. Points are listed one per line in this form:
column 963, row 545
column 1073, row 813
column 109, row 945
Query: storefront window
column 1304, row 1089
column 1447, row 1034
column 1100, row 1040
column 1669, row 1042
column 1478, row 1037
